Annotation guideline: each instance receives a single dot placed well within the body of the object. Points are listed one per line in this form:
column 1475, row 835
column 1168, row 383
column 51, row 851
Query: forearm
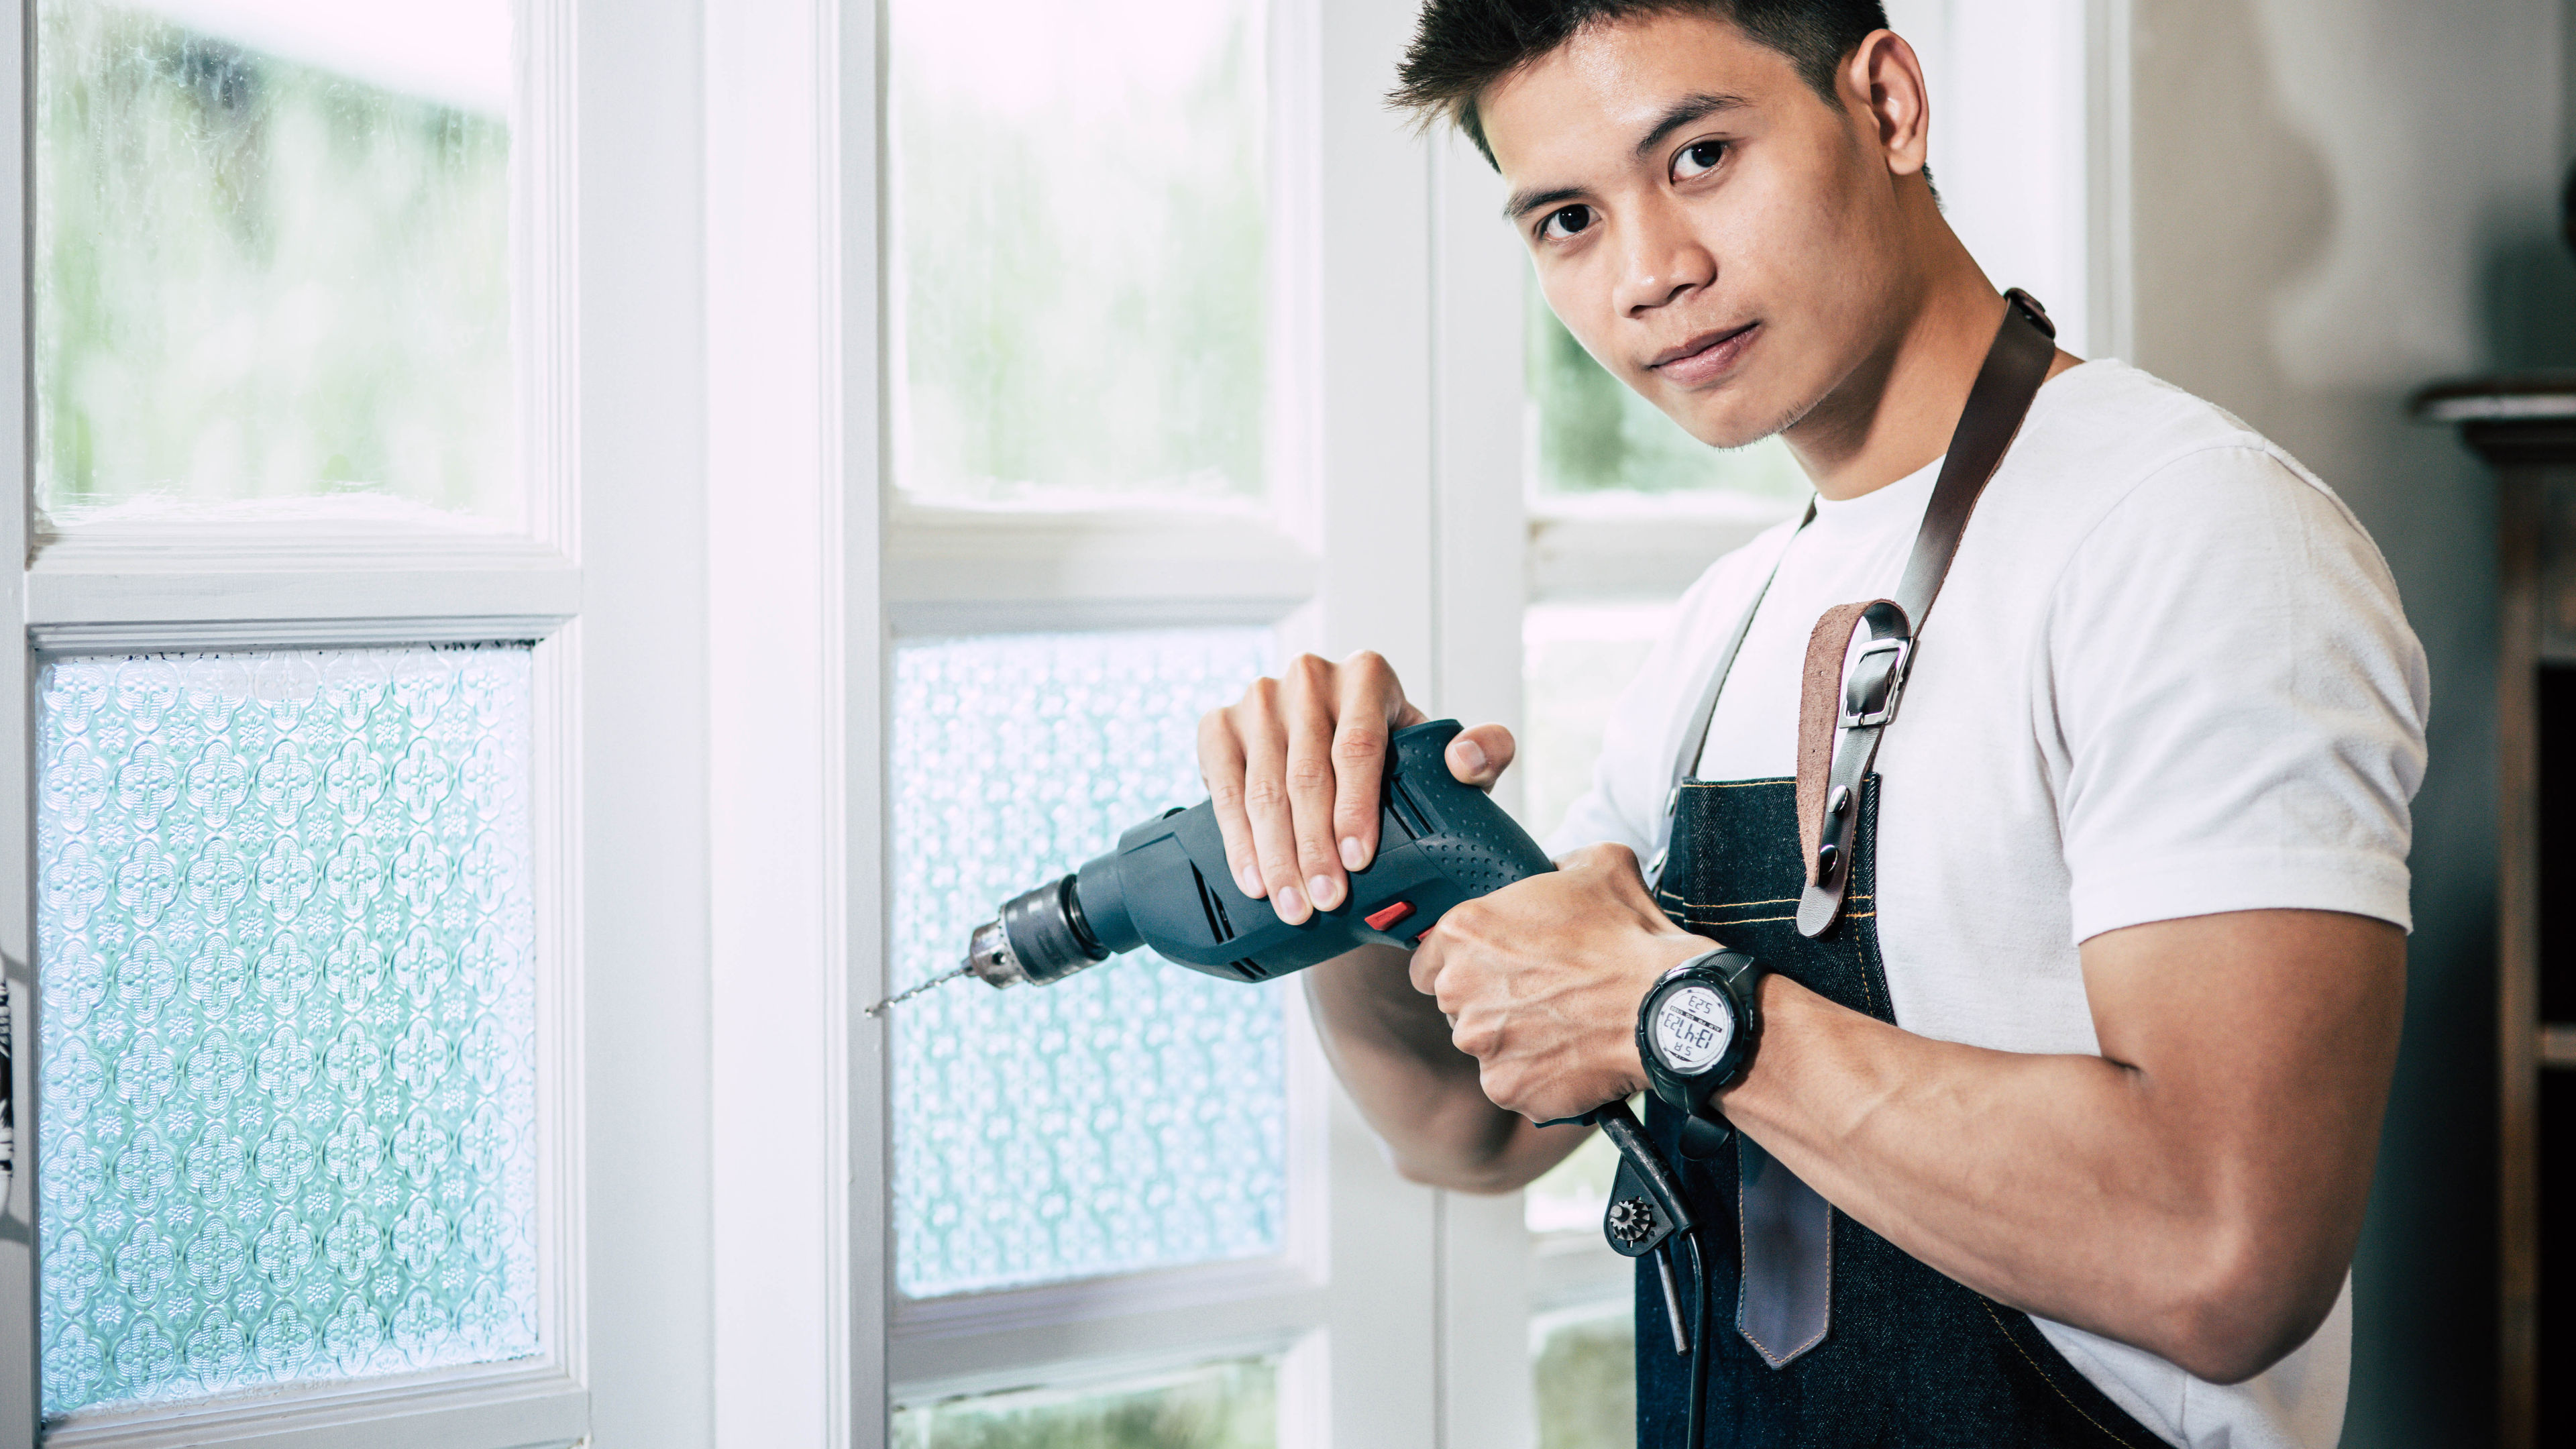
column 1391, row 1048
column 2074, row 1187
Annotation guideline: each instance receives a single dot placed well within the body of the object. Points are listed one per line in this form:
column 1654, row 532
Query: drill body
column 1167, row 886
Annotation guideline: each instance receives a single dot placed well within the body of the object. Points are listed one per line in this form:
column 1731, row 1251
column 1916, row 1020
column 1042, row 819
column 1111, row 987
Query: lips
column 1706, row 357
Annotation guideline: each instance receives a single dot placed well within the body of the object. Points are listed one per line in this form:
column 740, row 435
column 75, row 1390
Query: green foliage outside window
column 1221, row 1406
column 1586, row 1383
column 255, row 278
column 1081, row 272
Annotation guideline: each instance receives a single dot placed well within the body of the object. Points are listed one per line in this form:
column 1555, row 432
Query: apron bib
column 1908, row 1356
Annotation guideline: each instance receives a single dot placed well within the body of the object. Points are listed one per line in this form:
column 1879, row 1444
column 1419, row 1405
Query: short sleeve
column 2238, row 702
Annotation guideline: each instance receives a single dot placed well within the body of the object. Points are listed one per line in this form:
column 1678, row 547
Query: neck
column 1894, row 412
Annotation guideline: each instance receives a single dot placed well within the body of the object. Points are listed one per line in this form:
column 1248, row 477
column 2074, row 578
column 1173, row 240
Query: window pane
column 1571, row 1196
column 1221, row 1406
column 1079, row 270
column 1584, row 1365
column 1596, row 435
column 1132, row 1116
column 287, row 1000
column 272, row 254
column 1575, row 660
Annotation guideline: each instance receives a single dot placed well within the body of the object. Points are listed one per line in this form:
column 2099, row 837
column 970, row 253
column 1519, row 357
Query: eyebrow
column 1684, row 111
column 1680, row 113
column 1522, row 203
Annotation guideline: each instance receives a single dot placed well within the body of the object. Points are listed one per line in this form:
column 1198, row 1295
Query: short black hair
column 1462, row 46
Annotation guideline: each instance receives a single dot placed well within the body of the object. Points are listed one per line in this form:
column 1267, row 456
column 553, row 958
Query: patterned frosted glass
column 1080, row 265
column 1217, row 1406
column 286, row 970
column 1132, row 1116
column 272, row 255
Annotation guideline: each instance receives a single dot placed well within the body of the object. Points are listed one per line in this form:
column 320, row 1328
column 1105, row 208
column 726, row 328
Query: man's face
column 1721, row 239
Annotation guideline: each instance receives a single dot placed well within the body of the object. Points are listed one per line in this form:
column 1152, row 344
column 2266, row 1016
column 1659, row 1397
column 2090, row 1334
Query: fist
column 1541, row 981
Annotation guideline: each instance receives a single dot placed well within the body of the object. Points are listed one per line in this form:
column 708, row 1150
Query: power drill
column 1167, row 886
column 1440, row 843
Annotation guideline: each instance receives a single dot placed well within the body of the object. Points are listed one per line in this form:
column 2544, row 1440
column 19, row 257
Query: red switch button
column 1388, row 916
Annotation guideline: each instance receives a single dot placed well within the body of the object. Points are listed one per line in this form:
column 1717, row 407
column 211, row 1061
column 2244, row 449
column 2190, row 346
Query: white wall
column 2337, row 201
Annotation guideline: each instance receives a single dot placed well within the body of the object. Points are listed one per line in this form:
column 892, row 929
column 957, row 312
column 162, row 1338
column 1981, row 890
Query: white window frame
column 1385, row 1305
column 603, row 1078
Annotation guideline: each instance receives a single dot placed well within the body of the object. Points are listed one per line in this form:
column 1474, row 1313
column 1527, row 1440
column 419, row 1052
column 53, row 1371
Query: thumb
column 1479, row 756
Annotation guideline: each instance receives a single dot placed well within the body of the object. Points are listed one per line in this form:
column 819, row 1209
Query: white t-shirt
column 2167, row 676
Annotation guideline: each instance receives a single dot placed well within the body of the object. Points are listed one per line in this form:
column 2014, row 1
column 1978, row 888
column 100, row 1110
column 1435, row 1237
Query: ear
column 1882, row 83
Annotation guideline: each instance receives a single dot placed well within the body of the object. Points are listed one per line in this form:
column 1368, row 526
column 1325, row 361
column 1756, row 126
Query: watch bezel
column 1733, row 975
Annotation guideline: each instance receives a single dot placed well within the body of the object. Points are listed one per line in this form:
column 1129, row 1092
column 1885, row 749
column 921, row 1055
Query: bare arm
column 2196, row 1190
column 1390, row 1047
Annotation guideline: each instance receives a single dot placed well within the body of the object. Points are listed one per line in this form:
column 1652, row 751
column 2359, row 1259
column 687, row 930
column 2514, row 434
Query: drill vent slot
column 1408, row 812
column 1218, row 926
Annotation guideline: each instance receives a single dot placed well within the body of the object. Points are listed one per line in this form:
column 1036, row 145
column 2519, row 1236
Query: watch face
column 1692, row 1027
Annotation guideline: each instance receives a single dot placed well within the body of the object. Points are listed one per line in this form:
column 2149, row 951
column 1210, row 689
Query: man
column 2089, row 1059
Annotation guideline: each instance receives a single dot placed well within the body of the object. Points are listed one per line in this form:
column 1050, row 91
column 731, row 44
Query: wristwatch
column 1697, row 1028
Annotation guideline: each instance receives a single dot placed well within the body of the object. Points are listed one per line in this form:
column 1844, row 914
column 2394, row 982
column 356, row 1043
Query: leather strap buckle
column 1875, row 677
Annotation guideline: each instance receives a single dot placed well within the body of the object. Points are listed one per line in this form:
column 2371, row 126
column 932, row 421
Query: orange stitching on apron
column 1761, row 920
column 2044, row 1375
column 1860, row 963
column 1669, row 898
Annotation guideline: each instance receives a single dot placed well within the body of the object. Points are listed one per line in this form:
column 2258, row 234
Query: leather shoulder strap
column 1838, row 737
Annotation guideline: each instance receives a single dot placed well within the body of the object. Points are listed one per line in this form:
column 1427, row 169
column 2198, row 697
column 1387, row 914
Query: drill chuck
column 1167, row 886
column 1041, row 936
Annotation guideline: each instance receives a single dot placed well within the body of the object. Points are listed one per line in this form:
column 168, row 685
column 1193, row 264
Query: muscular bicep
column 2252, row 1007
column 2259, row 1046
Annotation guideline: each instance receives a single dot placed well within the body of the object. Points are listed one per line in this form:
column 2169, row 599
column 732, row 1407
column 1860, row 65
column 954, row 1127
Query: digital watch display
column 1697, row 1027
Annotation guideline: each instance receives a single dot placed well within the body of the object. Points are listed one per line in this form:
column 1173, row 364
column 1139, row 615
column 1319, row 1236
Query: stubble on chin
column 1780, row 422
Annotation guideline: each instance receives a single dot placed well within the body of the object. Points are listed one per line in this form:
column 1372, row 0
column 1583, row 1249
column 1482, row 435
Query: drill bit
column 942, row 979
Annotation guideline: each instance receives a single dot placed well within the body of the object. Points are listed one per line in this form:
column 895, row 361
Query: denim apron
column 1823, row 1332
column 1909, row 1357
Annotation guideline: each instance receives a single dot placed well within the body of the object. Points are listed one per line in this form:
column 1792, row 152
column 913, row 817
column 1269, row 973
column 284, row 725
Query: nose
column 1662, row 262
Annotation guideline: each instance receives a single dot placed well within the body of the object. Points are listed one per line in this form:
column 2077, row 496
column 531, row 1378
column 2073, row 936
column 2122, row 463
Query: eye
column 1698, row 159
column 1564, row 222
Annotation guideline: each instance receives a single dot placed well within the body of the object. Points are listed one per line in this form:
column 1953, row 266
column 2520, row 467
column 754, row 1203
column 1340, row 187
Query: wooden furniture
column 2525, row 427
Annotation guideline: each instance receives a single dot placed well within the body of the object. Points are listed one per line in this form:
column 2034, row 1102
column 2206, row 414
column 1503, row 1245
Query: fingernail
column 1351, row 857
column 1471, row 755
column 1288, row 903
column 1250, row 880
column 1319, row 888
